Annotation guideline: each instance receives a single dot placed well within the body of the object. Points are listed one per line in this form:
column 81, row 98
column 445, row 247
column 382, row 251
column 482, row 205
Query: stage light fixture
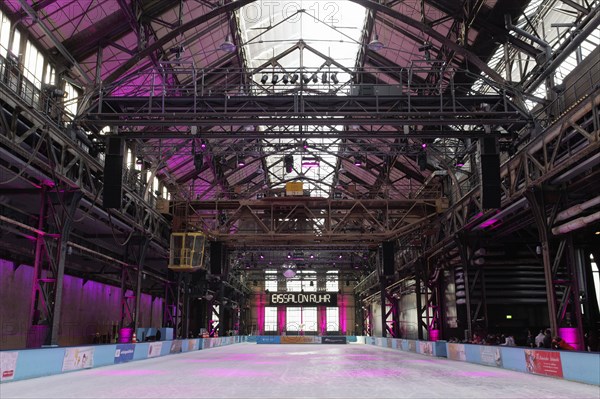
column 228, row 46
column 288, row 162
column 375, row 44
column 324, row 78
column 264, row 78
column 314, row 78
column 294, row 79
column 285, row 79
column 305, row 79
column 334, row 78
column 275, row 79
column 198, row 162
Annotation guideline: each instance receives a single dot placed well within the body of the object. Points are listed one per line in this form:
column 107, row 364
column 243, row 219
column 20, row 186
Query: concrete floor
column 297, row 371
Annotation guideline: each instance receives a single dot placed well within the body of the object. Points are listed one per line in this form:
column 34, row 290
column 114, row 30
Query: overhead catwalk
column 297, row 371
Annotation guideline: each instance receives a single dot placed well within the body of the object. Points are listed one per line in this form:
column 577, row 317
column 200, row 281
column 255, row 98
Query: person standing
column 539, row 339
column 548, row 339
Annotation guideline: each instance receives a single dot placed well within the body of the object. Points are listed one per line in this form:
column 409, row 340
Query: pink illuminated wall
column 88, row 307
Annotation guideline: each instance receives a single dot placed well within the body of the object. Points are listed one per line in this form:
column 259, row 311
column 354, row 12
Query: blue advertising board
column 124, row 353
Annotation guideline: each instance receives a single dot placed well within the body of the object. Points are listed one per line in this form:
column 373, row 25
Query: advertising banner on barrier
column 154, row 349
column 124, row 353
column 457, row 352
column 8, row 364
column 268, row 339
column 333, row 340
column 543, row 362
column 191, row 345
column 491, row 356
column 176, row 346
column 299, row 340
column 426, row 348
column 412, row 345
column 78, row 358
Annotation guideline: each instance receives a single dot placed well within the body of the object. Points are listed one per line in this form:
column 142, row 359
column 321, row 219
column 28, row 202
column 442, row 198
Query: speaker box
column 216, row 257
column 113, row 174
column 490, row 173
column 388, row 258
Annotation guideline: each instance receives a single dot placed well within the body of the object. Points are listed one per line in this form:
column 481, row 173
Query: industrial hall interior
column 414, row 170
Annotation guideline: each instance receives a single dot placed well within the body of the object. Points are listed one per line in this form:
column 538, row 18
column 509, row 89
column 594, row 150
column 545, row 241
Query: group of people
column 544, row 340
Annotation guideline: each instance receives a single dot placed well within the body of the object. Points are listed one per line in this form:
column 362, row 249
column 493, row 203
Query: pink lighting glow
column 488, row 223
column 128, row 373
column 571, row 337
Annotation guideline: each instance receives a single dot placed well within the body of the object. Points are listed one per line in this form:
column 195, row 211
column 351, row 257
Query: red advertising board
column 543, row 362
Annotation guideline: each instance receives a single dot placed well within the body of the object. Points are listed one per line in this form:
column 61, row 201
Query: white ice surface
column 297, row 371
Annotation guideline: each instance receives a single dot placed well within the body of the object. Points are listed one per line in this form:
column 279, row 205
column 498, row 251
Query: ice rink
column 297, row 371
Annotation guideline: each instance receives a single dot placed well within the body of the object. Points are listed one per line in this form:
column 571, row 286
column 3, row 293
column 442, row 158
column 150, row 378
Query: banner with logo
column 8, row 364
column 543, row 362
column 124, row 353
column 78, row 358
column 491, row 356
column 412, row 345
column 154, row 349
column 176, row 346
column 426, row 348
column 302, row 339
column 457, row 352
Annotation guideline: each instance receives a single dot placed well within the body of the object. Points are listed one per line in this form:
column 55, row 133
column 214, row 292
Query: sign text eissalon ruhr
column 303, row 299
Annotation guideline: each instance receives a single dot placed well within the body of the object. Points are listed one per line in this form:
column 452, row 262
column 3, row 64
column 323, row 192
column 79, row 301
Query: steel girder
column 303, row 220
column 37, row 149
column 321, row 110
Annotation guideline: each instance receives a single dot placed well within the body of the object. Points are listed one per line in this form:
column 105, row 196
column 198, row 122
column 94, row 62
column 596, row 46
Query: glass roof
column 312, row 40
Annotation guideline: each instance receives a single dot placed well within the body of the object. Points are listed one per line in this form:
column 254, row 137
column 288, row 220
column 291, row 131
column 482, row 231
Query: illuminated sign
column 303, row 299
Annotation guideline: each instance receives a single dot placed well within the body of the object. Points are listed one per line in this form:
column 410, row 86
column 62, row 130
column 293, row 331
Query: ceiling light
column 228, row 46
column 334, row 78
column 375, row 44
column 264, row 78
column 241, row 163
column 289, row 255
column 289, row 273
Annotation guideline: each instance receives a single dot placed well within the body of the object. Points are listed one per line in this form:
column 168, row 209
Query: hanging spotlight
column 294, row 79
column 334, row 78
column 241, row 163
column 228, row 46
column 285, row 79
column 305, row 79
column 375, row 44
column 312, row 283
column 314, row 78
column 289, row 255
column 275, row 79
column 358, row 161
column 264, row 78
column 324, row 78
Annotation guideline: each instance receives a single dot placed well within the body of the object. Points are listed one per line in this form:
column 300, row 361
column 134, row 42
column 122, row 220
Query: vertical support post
column 539, row 215
column 382, row 297
column 418, row 283
column 141, row 257
column 34, row 313
column 71, row 200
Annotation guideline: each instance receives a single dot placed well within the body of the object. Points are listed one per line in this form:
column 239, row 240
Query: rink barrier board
column 33, row 363
column 575, row 366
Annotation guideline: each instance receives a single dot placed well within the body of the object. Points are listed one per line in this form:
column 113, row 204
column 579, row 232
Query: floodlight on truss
column 375, row 44
column 228, row 46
